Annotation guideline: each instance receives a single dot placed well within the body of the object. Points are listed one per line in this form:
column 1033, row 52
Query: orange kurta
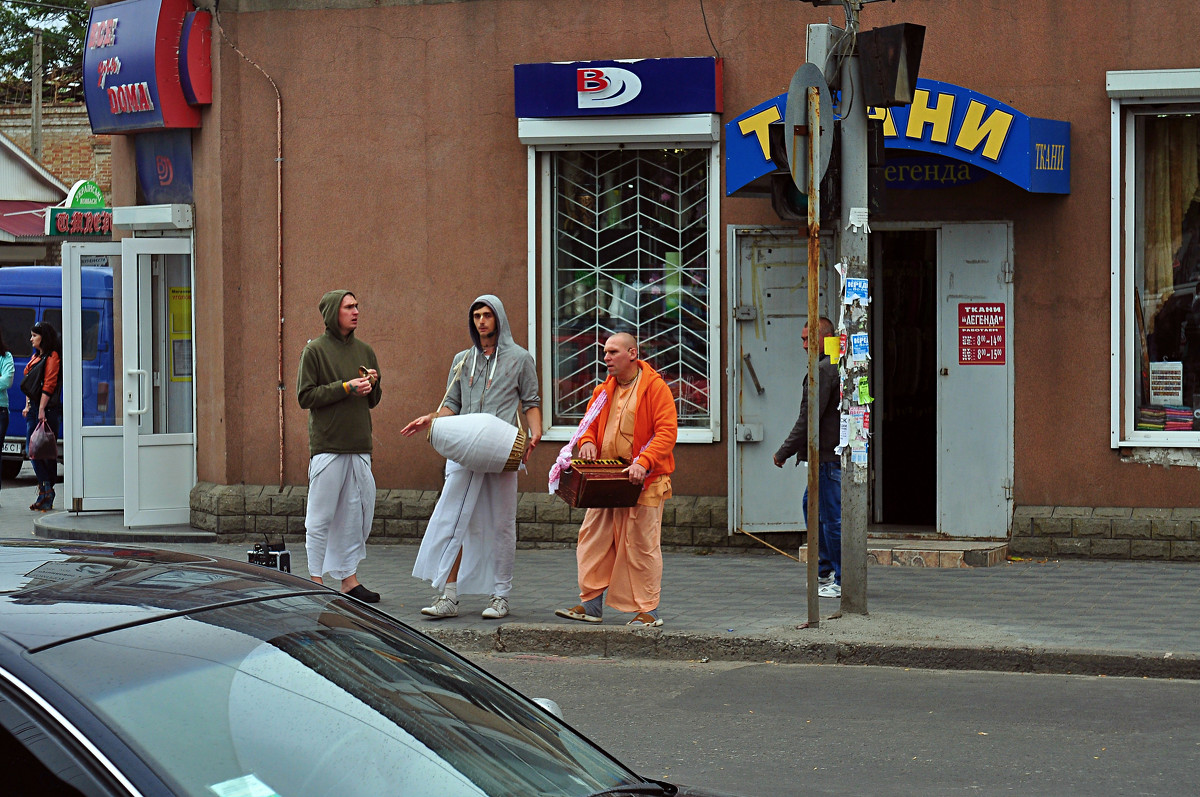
column 620, row 548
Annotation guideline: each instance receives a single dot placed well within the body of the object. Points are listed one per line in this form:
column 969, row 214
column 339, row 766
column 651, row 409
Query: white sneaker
column 823, row 580
column 442, row 607
column 831, row 590
column 497, row 607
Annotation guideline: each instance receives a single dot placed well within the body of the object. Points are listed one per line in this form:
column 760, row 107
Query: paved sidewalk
column 1112, row 618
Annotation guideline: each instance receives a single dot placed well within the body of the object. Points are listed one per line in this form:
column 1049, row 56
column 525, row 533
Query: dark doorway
column 904, row 379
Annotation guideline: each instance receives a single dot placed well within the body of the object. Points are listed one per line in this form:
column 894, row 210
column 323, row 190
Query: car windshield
column 313, row 695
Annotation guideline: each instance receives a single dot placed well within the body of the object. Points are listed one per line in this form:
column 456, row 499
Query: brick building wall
column 69, row 150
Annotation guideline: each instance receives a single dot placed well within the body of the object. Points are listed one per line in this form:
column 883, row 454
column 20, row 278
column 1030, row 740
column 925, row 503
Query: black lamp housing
column 890, row 58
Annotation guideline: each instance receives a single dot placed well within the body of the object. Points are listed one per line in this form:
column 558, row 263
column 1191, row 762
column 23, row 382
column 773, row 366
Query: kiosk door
column 767, row 369
column 159, row 439
column 92, row 417
column 975, row 390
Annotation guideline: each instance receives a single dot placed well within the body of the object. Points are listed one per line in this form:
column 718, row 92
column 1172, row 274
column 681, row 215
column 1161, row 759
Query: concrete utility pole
column 833, row 49
column 892, row 74
column 852, row 251
column 35, row 108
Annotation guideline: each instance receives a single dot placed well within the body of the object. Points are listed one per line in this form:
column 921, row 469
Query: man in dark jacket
column 829, row 473
column 338, row 384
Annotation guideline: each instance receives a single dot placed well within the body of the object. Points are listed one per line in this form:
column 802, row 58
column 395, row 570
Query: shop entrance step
column 932, row 552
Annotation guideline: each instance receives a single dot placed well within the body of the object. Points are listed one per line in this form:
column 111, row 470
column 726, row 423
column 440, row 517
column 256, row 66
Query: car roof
column 54, row 591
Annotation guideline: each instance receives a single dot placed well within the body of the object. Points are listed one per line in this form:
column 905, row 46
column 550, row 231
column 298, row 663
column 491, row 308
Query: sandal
column 578, row 613
column 645, row 620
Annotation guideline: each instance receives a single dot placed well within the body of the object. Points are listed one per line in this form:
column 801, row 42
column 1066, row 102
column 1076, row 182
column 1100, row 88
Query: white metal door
column 768, row 366
column 93, row 450
column 975, row 394
column 159, row 443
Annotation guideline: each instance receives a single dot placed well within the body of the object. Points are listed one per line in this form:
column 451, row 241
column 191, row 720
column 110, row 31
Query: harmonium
column 590, row 483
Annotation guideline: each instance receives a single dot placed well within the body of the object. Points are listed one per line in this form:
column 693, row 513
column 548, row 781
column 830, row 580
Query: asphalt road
column 767, row 729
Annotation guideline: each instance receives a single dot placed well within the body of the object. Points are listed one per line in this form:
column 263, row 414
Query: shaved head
column 624, row 340
column 620, row 356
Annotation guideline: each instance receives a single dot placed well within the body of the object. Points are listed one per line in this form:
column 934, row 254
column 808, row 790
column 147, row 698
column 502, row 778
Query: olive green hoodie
column 338, row 423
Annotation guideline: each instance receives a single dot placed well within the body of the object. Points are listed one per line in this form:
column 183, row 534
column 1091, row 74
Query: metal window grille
column 630, row 254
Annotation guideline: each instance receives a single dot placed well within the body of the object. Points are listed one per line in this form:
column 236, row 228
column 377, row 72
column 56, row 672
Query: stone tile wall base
column 1106, row 532
column 248, row 513
column 245, row 513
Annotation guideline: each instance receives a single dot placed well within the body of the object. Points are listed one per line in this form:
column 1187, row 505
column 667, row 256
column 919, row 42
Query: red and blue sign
column 164, row 167
column 648, row 86
column 950, row 121
column 138, row 58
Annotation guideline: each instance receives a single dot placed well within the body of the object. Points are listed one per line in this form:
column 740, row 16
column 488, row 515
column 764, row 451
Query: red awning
column 20, row 224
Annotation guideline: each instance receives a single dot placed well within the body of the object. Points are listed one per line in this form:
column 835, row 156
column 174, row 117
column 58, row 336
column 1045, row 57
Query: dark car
column 136, row 671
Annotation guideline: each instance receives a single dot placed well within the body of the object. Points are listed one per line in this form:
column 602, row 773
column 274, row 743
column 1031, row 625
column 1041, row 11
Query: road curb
column 559, row 640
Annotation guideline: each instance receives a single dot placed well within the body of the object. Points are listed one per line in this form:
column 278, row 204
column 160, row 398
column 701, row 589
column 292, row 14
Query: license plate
column 14, row 448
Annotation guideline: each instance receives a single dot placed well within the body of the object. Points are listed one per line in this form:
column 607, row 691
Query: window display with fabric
column 1167, row 302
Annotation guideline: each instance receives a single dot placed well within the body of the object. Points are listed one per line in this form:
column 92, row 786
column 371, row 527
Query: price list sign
column 981, row 334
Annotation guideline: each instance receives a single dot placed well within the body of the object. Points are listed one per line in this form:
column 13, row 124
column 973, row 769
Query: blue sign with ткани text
column 944, row 120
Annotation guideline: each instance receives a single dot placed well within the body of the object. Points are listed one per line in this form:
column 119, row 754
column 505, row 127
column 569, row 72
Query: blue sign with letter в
column 649, row 86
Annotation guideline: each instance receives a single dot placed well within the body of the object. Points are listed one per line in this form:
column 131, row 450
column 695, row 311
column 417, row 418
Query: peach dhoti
column 619, row 551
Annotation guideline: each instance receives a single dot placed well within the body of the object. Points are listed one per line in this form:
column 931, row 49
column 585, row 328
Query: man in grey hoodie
column 471, row 541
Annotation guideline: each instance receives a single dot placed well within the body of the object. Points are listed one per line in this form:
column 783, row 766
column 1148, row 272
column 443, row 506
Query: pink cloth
column 563, row 460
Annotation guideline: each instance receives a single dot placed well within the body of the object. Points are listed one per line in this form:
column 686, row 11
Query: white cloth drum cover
column 479, row 441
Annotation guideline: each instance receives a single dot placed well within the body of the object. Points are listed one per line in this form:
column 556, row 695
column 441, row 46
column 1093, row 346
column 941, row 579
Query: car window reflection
column 311, row 695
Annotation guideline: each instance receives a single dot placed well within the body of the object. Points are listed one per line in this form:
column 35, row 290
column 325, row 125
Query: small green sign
column 85, row 194
column 79, row 221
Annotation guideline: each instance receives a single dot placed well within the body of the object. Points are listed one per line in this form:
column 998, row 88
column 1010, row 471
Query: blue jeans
column 3, row 422
column 829, row 522
column 46, row 470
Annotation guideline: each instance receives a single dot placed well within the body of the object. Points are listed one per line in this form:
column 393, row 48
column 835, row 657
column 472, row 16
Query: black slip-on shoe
column 363, row 594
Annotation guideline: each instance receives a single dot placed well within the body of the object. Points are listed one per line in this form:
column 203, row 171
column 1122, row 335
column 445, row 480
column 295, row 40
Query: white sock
column 451, row 591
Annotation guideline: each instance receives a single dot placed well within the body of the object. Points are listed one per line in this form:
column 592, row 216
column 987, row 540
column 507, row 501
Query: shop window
column 630, row 250
column 1157, row 252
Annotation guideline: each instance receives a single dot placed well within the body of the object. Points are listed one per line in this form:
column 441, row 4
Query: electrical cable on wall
column 278, row 227
column 704, row 16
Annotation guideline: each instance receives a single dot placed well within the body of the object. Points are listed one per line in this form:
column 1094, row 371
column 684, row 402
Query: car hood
column 53, row 591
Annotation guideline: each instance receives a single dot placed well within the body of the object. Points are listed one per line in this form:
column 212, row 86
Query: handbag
column 43, row 443
column 31, row 383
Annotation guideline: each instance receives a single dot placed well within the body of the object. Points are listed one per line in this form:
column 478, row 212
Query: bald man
column 620, row 551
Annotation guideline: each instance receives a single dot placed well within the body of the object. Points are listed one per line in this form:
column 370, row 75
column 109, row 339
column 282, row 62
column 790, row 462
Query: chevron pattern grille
column 631, row 255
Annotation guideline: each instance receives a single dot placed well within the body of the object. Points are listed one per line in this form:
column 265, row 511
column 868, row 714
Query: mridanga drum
column 479, row 441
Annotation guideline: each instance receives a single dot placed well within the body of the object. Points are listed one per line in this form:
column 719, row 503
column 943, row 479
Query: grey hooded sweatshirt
column 505, row 384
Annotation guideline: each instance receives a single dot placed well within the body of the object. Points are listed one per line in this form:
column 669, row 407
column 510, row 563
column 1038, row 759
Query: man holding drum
column 632, row 417
column 338, row 384
column 471, row 541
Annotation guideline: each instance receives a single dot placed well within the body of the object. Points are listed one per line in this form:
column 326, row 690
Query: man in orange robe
column 619, row 550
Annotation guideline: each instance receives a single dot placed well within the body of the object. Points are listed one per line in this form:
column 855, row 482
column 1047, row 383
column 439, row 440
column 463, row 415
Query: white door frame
column 93, row 468
column 169, row 458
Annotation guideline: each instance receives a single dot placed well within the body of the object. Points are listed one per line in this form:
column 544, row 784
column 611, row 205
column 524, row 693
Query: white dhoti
column 476, row 514
column 341, row 506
